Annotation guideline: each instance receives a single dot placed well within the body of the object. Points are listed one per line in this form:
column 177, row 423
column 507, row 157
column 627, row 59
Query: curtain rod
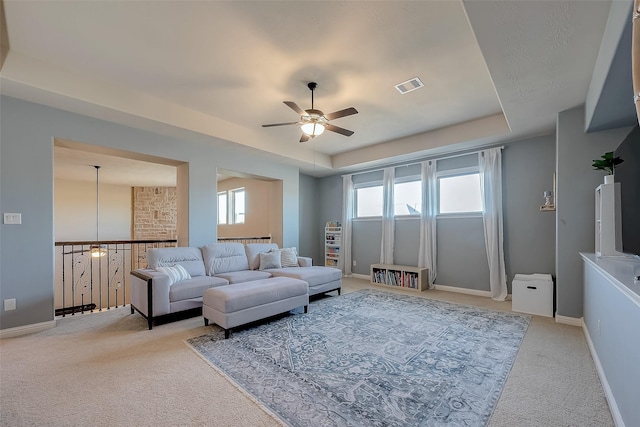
column 431, row 158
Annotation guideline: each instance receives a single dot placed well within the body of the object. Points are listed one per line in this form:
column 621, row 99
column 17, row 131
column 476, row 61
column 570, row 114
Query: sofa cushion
column 188, row 257
column 252, row 294
column 244, row 276
column 253, row 251
column 194, row 288
column 224, row 257
column 314, row 276
column 176, row 274
column 270, row 260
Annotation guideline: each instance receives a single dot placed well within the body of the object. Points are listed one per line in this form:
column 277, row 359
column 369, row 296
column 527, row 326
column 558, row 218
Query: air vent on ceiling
column 409, row 85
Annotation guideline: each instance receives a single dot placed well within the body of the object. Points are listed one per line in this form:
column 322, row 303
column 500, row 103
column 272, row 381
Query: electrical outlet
column 354, row 262
column 9, row 304
column 598, row 327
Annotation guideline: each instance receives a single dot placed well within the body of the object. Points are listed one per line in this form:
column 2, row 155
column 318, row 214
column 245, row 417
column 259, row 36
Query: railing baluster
column 79, row 282
column 73, row 279
column 64, row 287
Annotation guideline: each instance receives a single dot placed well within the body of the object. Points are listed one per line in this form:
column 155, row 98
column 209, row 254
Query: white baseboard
column 463, row 290
column 615, row 412
column 27, row 329
column 361, row 276
column 573, row 321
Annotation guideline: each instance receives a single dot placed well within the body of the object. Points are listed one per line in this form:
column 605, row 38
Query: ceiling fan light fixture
column 312, row 128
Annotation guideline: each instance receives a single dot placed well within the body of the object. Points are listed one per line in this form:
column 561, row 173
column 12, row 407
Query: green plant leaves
column 607, row 162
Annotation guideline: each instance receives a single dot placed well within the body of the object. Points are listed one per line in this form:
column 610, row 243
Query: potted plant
column 607, row 163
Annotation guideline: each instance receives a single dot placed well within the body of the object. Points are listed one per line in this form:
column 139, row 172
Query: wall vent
column 409, row 85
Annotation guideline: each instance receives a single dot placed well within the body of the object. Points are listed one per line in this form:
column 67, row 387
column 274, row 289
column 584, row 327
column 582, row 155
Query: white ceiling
column 493, row 71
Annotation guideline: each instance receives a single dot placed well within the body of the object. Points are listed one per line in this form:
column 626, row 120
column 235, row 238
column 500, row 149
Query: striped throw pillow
column 288, row 257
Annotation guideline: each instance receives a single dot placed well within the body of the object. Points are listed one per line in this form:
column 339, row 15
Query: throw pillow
column 270, row 260
column 288, row 257
column 176, row 273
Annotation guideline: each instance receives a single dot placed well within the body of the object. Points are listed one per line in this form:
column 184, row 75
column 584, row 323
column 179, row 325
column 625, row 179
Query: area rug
column 373, row 358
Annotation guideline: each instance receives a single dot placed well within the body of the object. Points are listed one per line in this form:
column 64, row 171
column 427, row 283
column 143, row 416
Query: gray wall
column 310, row 234
column 328, row 204
column 575, row 213
column 528, row 167
column 26, row 186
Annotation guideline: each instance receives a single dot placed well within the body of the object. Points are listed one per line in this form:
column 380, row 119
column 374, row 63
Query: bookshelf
column 400, row 276
column 332, row 242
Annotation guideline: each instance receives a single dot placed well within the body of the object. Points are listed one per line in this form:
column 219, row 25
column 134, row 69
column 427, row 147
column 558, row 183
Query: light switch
column 12, row 218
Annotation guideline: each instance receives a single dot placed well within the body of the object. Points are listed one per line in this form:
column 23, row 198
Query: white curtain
column 427, row 254
column 344, row 260
column 388, row 229
column 490, row 162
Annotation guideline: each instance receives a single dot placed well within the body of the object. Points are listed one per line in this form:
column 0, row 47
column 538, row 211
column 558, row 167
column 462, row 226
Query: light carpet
column 373, row 358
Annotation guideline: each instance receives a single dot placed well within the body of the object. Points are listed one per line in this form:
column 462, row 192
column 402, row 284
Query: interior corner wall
column 329, row 208
column 310, row 237
column 182, row 200
column 27, row 131
column 275, row 213
column 575, row 202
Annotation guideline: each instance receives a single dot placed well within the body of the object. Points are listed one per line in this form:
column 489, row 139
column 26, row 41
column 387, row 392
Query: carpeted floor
column 374, row 358
column 107, row 369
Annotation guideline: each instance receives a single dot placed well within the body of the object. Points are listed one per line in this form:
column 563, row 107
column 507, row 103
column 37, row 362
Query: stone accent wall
column 155, row 212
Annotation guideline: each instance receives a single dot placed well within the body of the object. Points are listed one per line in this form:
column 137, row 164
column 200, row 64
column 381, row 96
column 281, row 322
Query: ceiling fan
column 314, row 122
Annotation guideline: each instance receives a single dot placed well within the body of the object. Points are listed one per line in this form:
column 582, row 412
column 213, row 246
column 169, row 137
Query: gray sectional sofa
column 154, row 295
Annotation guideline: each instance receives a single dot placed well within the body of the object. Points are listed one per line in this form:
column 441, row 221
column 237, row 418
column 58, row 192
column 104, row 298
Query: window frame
column 404, row 180
column 232, row 206
column 356, row 187
column 226, row 210
column 450, row 173
column 230, row 211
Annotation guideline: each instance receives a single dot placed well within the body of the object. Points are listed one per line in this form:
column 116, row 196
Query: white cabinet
column 401, row 276
column 605, row 230
column 610, row 321
column 332, row 242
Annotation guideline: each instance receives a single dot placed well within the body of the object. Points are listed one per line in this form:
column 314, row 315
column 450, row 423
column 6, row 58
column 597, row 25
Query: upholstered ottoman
column 241, row 303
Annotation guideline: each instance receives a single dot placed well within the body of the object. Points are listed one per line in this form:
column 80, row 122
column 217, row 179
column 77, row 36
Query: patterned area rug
column 373, row 358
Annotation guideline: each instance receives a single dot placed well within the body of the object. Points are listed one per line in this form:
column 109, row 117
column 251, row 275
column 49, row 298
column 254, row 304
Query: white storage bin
column 532, row 294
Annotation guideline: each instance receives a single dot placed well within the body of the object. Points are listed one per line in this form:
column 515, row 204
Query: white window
column 368, row 201
column 459, row 192
column 407, row 197
column 237, row 213
column 231, row 206
column 222, row 207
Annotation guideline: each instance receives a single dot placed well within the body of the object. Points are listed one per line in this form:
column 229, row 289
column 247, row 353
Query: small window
column 238, row 206
column 368, row 201
column 222, row 207
column 459, row 194
column 407, row 198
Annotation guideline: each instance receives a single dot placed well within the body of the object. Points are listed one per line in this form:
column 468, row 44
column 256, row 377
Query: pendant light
column 98, row 250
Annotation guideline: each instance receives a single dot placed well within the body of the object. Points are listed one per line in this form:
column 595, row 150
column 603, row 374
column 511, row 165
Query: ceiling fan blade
column 343, row 131
column 279, row 124
column 342, row 113
column 304, row 137
column 295, row 107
